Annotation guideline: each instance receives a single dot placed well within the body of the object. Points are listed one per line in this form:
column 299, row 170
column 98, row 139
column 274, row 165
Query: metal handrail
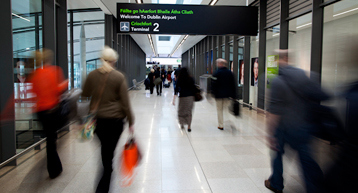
column 39, row 142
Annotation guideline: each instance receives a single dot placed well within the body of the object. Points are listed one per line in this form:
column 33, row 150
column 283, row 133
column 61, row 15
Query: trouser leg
column 276, row 179
column 151, row 88
column 219, row 107
column 108, row 132
column 49, row 124
column 312, row 173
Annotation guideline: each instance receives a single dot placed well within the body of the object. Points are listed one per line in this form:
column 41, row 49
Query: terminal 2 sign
column 186, row 19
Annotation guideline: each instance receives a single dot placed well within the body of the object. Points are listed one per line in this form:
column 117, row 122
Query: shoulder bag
column 89, row 125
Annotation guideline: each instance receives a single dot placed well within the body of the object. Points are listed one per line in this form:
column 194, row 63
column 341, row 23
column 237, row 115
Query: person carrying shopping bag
column 113, row 108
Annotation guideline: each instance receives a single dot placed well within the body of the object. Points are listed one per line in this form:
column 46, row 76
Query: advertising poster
column 241, row 72
column 254, row 71
column 272, row 69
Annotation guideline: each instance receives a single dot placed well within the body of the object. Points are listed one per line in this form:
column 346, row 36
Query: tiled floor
column 205, row 160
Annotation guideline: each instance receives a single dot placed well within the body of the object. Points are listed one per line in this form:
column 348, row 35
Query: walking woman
column 114, row 107
column 151, row 78
column 48, row 84
column 186, row 88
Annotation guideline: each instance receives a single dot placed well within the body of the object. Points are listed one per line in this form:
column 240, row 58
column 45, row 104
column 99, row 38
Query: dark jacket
column 223, row 84
column 291, row 93
column 185, row 87
column 157, row 74
column 176, row 72
column 150, row 77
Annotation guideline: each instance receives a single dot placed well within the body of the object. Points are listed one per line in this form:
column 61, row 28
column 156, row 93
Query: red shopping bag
column 131, row 158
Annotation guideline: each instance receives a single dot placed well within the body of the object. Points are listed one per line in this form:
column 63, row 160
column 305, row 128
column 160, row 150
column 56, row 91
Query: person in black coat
column 223, row 87
column 159, row 86
column 151, row 78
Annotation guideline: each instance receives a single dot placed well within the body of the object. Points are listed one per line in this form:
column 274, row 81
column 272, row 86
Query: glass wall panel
column 340, row 34
column 27, row 37
column 88, row 32
column 272, row 44
column 300, row 42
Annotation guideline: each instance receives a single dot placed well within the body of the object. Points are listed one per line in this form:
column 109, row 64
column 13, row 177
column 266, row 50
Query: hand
column 131, row 129
column 272, row 143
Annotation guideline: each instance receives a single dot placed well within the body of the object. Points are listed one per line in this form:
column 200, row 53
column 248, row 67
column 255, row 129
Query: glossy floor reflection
column 234, row 160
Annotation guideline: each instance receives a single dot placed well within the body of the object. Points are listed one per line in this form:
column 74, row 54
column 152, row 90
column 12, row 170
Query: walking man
column 289, row 122
column 223, row 88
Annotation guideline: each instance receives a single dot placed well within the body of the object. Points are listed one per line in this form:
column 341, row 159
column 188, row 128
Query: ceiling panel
column 81, row 4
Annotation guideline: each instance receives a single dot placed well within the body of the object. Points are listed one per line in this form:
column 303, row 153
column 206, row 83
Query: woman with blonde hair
column 48, row 84
column 113, row 108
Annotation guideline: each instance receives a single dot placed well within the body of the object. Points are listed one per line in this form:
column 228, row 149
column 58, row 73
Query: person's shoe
column 53, row 176
column 221, row 128
column 268, row 186
column 189, row 130
column 182, row 126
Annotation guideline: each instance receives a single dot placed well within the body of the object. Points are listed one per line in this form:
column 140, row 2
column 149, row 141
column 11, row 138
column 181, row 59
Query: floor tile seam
column 201, row 167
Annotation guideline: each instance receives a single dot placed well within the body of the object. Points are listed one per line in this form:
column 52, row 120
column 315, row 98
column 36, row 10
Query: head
column 152, row 70
column 44, row 57
column 179, row 66
column 282, row 57
column 221, row 63
column 109, row 55
column 256, row 68
column 109, row 58
column 184, row 73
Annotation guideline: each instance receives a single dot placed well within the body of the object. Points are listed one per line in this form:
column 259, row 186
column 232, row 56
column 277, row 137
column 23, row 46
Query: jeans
column 299, row 141
column 108, row 131
column 174, row 85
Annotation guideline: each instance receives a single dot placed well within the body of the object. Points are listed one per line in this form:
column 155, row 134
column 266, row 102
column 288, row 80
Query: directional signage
column 186, row 19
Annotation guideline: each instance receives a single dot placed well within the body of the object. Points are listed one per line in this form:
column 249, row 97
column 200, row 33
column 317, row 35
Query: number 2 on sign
column 156, row 27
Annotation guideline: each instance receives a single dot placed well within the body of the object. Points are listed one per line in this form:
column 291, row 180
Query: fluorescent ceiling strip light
column 181, row 43
column 276, row 34
column 345, row 12
column 20, row 17
column 213, row 2
column 303, row 25
column 151, row 43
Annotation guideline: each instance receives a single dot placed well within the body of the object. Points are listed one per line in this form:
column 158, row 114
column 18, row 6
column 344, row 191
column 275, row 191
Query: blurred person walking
column 289, row 121
column 163, row 76
column 151, row 78
column 176, row 74
column 186, row 89
column 48, row 84
column 157, row 74
column 113, row 108
column 223, row 88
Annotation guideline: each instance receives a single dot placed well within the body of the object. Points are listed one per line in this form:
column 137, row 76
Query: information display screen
column 187, row 19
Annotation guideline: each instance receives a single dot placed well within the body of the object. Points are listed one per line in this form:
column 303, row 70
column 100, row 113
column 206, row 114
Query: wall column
column 262, row 55
column 7, row 128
